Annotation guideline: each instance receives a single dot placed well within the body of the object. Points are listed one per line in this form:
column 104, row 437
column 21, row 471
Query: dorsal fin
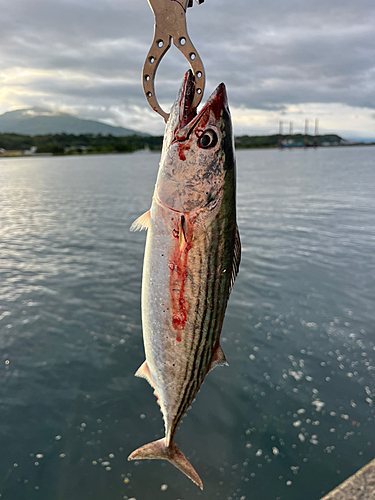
column 236, row 259
column 218, row 359
column 143, row 222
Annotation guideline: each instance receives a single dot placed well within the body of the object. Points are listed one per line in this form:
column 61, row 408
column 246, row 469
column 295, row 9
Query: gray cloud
column 89, row 54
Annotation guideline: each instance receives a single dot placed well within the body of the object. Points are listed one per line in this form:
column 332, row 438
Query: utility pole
column 280, row 141
column 306, row 132
column 316, row 133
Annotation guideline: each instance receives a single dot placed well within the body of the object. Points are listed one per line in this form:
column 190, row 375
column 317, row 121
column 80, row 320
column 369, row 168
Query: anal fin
column 218, row 359
column 143, row 222
column 144, row 372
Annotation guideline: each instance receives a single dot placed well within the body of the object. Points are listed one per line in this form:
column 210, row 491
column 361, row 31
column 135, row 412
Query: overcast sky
column 286, row 60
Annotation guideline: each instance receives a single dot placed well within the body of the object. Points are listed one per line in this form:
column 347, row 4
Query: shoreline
column 238, row 148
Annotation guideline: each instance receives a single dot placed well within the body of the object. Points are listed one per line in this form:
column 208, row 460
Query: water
column 291, row 417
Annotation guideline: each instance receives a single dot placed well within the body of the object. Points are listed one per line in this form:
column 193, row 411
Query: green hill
column 39, row 121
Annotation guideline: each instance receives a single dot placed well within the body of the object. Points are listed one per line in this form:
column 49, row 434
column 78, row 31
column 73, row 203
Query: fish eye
column 208, row 139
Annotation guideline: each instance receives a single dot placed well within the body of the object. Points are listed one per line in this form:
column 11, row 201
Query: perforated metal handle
column 170, row 23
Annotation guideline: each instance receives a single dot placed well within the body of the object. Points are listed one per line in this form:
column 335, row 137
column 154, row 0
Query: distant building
column 14, row 153
column 82, row 149
column 31, row 151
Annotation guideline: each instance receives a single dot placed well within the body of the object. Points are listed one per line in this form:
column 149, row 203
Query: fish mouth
column 186, row 113
column 189, row 118
column 183, row 118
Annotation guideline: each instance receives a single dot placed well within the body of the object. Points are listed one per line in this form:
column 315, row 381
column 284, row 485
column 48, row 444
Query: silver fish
column 191, row 260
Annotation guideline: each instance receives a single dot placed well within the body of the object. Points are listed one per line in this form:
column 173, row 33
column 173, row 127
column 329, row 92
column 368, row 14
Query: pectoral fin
column 143, row 222
column 182, row 234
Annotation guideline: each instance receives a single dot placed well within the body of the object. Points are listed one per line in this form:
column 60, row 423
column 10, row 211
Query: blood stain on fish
column 182, row 148
column 178, row 264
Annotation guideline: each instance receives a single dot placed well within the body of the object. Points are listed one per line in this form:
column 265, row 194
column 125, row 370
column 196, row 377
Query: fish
column 192, row 257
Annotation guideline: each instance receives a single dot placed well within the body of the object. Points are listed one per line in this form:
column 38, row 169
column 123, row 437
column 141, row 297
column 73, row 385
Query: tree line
column 272, row 141
column 70, row 143
column 89, row 143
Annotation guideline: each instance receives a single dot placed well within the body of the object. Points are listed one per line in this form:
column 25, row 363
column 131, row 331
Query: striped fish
column 191, row 260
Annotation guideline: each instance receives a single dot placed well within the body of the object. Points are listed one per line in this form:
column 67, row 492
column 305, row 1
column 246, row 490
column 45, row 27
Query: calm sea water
column 289, row 419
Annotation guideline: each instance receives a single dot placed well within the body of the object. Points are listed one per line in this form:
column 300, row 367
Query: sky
column 288, row 61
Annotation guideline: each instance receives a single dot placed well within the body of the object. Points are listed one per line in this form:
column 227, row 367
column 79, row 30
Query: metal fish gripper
column 170, row 24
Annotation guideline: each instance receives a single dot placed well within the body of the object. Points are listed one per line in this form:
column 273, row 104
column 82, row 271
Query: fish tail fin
column 172, row 453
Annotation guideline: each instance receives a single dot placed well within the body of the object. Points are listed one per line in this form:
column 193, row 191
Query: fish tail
column 172, row 453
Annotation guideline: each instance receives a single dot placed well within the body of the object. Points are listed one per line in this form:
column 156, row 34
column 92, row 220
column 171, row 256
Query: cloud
column 87, row 56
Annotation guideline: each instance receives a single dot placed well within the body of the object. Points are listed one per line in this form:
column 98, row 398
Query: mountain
column 39, row 121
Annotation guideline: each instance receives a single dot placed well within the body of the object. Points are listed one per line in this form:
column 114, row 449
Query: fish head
column 197, row 163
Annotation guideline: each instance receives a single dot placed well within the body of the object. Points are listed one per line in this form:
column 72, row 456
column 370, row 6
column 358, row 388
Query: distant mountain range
column 40, row 121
